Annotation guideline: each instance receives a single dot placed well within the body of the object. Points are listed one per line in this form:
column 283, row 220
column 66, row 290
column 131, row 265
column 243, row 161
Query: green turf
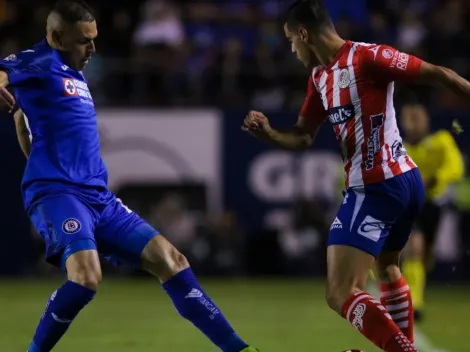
column 276, row 316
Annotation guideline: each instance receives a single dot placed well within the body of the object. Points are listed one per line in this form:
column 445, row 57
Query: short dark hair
column 308, row 13
column 73, row 11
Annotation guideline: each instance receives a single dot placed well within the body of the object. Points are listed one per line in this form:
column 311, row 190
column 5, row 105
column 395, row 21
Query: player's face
column 299, row 46
column 415, row 121
column 79, row 45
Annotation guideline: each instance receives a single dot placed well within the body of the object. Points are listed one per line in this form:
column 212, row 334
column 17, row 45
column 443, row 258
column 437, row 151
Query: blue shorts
column 379, row 217
column 74, row 221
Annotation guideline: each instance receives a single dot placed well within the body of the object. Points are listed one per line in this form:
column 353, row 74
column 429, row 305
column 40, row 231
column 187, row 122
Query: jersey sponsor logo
column 371, row 228
column 387, row 53
column 397, row 150
column 400, row 60
column 71, row 226
column 76, row 88
column 344, row 79
column 340, row 114
column 373, row 142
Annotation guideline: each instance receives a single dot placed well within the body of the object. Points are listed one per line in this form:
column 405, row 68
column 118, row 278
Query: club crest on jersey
column 69, row 87
column 344, row 79
column 373, row 142
column 71, row 226
column 11, row 57
column 387, row 53
column 340, row 114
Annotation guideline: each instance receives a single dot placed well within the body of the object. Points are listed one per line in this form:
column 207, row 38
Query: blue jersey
column 59, row 110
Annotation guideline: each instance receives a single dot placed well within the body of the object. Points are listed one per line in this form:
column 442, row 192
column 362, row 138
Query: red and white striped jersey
column 355, row 93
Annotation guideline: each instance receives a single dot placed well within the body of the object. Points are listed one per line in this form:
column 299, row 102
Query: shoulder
column 38, row 57
column 442, row 136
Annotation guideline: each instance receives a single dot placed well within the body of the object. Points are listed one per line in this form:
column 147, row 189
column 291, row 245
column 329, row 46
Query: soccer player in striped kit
column 351, row 86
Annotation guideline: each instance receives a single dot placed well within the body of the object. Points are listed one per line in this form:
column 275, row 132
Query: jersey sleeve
column 19, row 70
column 384, row 63
column 312, row 115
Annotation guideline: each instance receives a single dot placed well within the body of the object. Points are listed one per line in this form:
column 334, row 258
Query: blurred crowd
column 232, row 53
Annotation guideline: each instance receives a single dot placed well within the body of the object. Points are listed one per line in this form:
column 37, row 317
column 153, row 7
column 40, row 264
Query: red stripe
column 393, row 165
column 409, row 163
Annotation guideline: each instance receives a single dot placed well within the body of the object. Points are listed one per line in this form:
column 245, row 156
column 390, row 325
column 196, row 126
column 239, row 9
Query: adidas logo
column 195, row 293
column 336, row 224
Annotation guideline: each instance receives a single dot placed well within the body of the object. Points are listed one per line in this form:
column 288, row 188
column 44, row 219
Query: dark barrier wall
column 256, row 178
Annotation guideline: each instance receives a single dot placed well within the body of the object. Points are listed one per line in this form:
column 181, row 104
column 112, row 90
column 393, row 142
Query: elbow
column 305, row 142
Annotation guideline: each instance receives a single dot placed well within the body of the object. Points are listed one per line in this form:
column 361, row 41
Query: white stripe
column 402, row 324
column 337, row 100
column 354, row 303
column 394, row 292
column 355, row 177
column 400, row 315
column 393, row 307
column 323, row 92
column 26, row 122
column 357, row 205
column 397, row 298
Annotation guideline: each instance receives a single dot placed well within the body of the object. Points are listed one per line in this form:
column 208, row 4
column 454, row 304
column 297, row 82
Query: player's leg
column 395, row 293
column 67, row 227
column 355, row 239
column 125, row 236
column 414, row 269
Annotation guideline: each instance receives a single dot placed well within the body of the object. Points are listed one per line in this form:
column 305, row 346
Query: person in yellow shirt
column 441, row 164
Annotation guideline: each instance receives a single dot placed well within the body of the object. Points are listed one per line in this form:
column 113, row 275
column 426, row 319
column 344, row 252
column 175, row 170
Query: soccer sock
column 415, row 274
column 193, row 304
column 63, row 306
column 396, row 298
column 371, row 319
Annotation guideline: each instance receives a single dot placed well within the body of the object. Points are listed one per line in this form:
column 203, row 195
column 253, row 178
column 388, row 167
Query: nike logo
column 62, row 321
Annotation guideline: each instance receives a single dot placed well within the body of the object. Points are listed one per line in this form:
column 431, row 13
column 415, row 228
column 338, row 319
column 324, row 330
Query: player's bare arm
column 7, row 101
column 296, row 138
column 444, row 77
column 22, row 132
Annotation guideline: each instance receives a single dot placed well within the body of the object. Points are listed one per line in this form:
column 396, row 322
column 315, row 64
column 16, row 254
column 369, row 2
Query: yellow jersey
column 438, row 157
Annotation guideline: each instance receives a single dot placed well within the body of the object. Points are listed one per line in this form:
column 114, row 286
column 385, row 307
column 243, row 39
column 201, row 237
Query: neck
column 327, row 46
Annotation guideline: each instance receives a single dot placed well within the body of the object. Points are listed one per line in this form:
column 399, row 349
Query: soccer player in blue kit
column 65, row 185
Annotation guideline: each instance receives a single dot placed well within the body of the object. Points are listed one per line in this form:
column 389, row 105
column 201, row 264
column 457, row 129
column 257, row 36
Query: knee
column 162, row 259
column 337, row 293
column 86, row 276
column 84, row 269
column 387, row 267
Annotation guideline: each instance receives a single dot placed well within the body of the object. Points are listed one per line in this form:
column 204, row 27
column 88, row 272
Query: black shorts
column 428, row 221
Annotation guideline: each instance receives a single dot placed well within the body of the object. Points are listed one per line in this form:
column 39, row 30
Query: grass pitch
column 274, row 315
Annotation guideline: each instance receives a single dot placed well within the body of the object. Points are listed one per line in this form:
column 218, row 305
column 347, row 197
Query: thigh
column 401, row 230
column 121, row 234
column 66, row 224
column 364, row 220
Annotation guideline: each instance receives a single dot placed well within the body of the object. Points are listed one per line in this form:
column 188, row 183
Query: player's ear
column 58, row 39
column 303, row 34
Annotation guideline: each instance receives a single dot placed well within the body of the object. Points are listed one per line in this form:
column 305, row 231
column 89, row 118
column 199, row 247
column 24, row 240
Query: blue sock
column 63, row 306
column 193, row 304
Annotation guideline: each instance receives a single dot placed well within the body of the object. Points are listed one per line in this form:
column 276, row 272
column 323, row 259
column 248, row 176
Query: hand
column 256, row 123
column 7, row 101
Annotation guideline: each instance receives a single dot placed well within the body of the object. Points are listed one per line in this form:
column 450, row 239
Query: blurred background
column 172, row 82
